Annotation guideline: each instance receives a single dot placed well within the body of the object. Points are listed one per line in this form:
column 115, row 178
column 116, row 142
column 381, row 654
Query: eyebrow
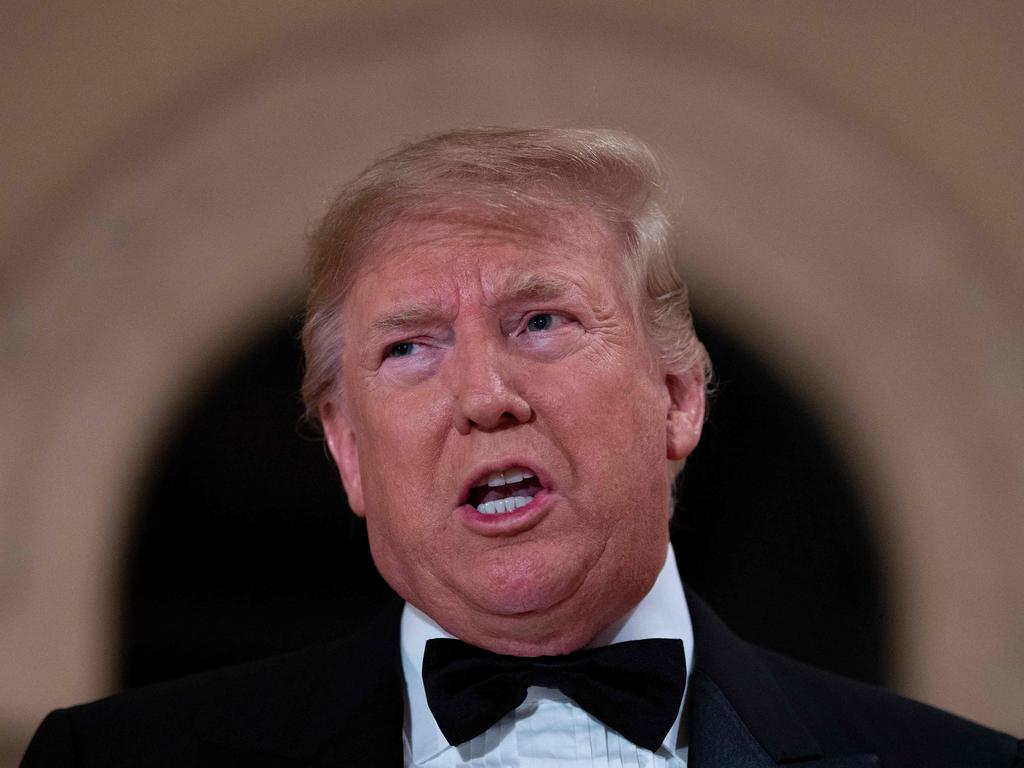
column 517, row 286
column 412, row 315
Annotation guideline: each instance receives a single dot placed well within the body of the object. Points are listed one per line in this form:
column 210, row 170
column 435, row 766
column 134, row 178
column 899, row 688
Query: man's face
column 475, row 357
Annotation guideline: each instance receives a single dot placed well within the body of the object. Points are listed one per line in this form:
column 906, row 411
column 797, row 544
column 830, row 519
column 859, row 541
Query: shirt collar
column 663, row 612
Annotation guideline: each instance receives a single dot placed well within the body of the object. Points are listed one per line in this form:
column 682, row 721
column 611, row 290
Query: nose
column 486, row 396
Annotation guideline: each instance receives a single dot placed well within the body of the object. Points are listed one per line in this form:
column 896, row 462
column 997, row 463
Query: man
column 500, row 351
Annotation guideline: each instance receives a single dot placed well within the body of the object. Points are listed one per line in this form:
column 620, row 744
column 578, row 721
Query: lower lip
column 507, row 523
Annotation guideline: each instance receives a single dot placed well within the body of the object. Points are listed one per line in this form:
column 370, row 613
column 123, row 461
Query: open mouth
column 504, row 491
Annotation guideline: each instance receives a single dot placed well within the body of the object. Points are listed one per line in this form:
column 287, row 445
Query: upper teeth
column 504, row 477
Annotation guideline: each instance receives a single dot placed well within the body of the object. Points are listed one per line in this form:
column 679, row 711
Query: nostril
column 499, row 407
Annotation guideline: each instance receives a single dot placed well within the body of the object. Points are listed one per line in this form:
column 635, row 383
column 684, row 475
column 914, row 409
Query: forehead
column 446, row 260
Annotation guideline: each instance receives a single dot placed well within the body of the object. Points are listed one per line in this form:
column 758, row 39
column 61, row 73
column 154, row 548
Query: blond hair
column 520, row 179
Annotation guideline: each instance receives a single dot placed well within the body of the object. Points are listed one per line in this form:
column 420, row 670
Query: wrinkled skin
column 466, row 346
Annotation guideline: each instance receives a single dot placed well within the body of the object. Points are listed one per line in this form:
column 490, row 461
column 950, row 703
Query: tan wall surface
column 851, row 183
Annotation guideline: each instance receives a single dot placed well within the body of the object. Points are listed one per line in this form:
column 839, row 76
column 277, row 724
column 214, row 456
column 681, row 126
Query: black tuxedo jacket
column 342, row 705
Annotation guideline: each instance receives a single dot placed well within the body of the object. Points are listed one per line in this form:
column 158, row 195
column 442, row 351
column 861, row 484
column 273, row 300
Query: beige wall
column 851, row 193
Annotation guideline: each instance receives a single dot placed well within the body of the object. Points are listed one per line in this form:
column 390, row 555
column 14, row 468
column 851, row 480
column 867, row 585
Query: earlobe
column 341, row 441
column 685, row 418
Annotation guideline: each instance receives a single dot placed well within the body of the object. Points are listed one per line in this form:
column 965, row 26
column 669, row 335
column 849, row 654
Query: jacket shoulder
column 845, row 716
column 263, row 704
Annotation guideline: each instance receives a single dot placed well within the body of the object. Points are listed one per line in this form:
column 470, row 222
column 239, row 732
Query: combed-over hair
column 520, row 179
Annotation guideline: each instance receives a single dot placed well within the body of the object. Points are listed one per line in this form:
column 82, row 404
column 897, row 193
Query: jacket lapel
column 737, row 716
column 720, row 739
column 346, row 708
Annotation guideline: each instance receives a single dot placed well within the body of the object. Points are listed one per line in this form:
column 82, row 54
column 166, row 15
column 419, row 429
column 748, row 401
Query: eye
column 544, row 321
column 401, row 349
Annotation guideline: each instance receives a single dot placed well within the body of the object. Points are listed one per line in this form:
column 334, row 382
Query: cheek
column 619, row 445
column 614, row 418
column 392, row 561
column 400, row 460
column 400, row 437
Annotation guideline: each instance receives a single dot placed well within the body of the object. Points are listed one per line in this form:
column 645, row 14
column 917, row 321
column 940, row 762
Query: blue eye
column 543, row 321
column 401, row 349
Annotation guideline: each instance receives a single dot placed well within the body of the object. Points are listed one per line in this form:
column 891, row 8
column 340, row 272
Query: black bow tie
column 634, row 687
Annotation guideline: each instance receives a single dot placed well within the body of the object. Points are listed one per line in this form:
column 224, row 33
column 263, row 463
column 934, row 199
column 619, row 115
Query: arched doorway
column 243, row 545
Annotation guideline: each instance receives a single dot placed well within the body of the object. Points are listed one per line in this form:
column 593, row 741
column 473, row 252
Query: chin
column 516, row 594
column 535, row 577
column 521, row 599
column 537, row 623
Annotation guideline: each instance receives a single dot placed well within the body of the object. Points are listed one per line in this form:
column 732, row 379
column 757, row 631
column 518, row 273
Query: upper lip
column 483, row 470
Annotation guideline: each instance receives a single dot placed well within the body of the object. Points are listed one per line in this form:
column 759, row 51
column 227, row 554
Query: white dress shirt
column 548, row 728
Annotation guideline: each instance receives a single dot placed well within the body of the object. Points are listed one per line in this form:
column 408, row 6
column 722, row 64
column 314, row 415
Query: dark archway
column 243, row 546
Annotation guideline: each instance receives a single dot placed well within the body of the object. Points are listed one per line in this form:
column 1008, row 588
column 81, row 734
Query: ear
column 685, row 413
column 341, row 441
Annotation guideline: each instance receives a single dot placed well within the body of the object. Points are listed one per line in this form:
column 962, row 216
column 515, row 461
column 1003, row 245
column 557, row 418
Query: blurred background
column 849, row 180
